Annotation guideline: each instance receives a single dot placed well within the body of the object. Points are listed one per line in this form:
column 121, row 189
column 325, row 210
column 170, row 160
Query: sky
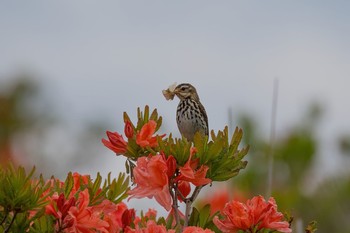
column 98, row 59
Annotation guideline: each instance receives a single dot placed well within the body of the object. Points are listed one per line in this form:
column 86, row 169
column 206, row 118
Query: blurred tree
column 15, row 113
column 33, row 133
column 294, row 156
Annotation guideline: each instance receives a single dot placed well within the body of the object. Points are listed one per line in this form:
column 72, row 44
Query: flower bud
column 128, row 129
column 171, row 164
column 184, row 188
column 128, row 217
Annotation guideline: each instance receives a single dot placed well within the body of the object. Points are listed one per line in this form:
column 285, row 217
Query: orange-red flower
column 145, row 136
column 150, row 176
column 112, row 214
column 78, row 181
column 147, row 224
column 151, row 227
column 255, row 214
column 190, row 173
column 192, row 229
column 115, row 143
column 84, row 220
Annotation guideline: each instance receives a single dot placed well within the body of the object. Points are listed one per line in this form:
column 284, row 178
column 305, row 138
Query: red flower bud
column 184, row 188
column 128, row 129
column 115, row 142
column 171, row 164
column 128, row 217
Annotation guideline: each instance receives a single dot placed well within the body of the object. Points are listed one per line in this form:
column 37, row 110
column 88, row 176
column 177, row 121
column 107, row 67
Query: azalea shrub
column 170, row 170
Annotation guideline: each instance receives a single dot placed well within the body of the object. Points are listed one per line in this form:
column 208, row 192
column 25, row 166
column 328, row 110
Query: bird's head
column 186, row 91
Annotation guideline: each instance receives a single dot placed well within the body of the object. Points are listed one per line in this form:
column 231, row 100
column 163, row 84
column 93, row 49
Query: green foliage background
column 295, row 155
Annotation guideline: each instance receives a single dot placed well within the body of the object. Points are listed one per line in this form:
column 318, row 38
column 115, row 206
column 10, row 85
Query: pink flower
column 196, row 230
column 256, row 213
column 190, row 173
column 150, row 176
column 144, row 138
column 115, row 143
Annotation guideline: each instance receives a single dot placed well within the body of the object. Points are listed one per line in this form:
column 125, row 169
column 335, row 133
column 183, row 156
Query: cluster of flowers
column 77, row 214
column 160, row 168
column 154, row 174
column 159, row 175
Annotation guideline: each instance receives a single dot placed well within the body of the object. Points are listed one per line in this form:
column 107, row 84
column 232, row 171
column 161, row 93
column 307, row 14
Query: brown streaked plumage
column 190, row 115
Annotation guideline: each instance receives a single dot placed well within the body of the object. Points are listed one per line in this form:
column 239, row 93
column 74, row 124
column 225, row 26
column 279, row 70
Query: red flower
column 144, row 137
column 196, row 230
column 128, row 217
column 59, row 207
column 116, row 143
column 184, row 188
column 171, row 164
column 190, row 173
column 150, row 176
column 128, row 129
column 255, row 214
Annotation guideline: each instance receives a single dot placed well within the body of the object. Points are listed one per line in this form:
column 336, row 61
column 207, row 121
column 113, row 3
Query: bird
column 191, row 116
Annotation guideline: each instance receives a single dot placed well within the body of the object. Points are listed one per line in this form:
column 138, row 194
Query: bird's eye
column 183, row 88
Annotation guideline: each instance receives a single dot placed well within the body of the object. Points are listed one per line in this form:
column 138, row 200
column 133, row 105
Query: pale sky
column 98, row 59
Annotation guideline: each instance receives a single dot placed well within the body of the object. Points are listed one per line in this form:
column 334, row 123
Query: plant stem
column 175, row 205
column 196, row 192
column 189, row 202
column 12, row 221
column 188, row 211
column 272, row 140
column 4, row 219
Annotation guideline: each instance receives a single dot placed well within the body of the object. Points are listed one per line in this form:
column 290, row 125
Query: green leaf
column 19, row 194
column 68, row 185
column 204, row 216
column 146, row 114
column 117, row 189
column 223, row 158
column 194, row 218
column 311, row 227
column 45, row 224
column 96, row 193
